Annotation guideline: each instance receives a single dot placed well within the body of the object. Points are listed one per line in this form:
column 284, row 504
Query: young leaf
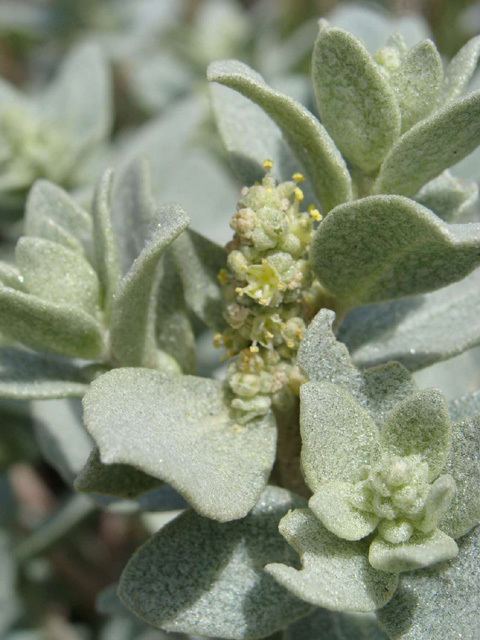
column 460, row 70
column 132, row 331
column 335, row 573
column 420, row 425
column 118, row 480
column 430, row 147
column 179, row 430
column 463, row 464
column 26, row 375
column 426, row 606
column 183, row 578
column 47, row 326
column 50, row 208
column 306, row 136
column 105, row 248
column 198, row 262
column 338, row 435
column 449, row 197
column 383, row 247
column 417, row 83
column 354, row 99
column 58, row 275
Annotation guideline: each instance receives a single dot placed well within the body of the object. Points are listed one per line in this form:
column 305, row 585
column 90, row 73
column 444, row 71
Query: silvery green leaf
column 449, row 197
column 305, row 135
column 250, row 136
column 383, row 247
column 47, row 326
column 198, row 261
column 132, row 326
column 118, row 480
column 430, row 147
column 354, row 99
column 333, row 505
column 335, row 573
column 460, row 70
column 27, row 375
column 172, row 429
column 323, row 358
column 467, row 406
column 331, row 625
column 107, row 260
column 51, row 213
column 463, row 464
column 338, row 434
column 416, row 331
column 174, row 331
column 420, row 425
column 439, row 602
column 417, row 83
column 383, row 388
column 358, row 627
column 80, row 96
column 61, row 436
column 419, row 552
column 178, row 583
column 57, row 274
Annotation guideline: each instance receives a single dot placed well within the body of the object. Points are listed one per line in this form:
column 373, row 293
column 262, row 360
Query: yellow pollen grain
column 239, row 291
column 254, row 348
column 268, row 164
column 298, row 194
column 298, row 177
column 315, row 214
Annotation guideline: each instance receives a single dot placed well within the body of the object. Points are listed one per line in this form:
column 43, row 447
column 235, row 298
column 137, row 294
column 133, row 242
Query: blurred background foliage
column 59, row 550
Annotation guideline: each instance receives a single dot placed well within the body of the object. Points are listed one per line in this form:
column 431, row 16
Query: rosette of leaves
column 58, row 133
column 377, row 159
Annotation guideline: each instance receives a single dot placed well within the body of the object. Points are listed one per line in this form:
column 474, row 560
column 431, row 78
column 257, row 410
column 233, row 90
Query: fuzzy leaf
column 306, row 136
column 440, row 602
column 416, row 331
column 335, row 573
column 10, row 276
column 52, row 214
column 332, row 505
column 250, row 137
column 105, row 248
column 460, row 70
column 177, row 582
column 463, row 464
column 468, row 406
column 420, row 425
column 80, row 95
column 25, row 375
column 417, row 83
column 430, row 147
column 179, row 430
column 354, row 99
column 420, row 551
column 448, row 197
column 61, row 436
column 58, row 275
column 338, row 435
column 383, row 247
column 119, row 480
column 330, row 625
column 46, row 326
column 198, row 261
column 383, row 388
column 133, row 318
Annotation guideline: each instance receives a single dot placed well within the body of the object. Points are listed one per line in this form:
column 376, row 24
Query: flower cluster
column 270, row 294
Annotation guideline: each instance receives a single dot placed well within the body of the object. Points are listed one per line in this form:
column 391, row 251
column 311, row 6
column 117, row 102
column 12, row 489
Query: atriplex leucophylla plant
column 388, row 483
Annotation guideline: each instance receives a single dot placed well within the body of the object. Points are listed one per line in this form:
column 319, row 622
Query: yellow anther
column 239, row 291
column 218, row 340
column 298, row 177
column 315, row 214
column 222, row 276
column 263, row 301
column 268, row 164
column 269, row 335
column 254, row 348
column 298, row 194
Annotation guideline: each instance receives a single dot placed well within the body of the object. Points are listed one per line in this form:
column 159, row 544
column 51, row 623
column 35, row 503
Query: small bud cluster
column 31, row 149
column 270, row 294
column 398, row 491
